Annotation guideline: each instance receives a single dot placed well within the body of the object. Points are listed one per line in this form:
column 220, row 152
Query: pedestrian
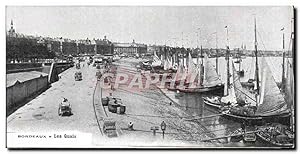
column 130, row 125
column 112, row 87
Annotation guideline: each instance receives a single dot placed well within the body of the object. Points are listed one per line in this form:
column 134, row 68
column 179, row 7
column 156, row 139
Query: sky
column 186, row 26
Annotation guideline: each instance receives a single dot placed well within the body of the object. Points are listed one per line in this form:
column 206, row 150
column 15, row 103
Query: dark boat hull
column 162, row 71
column 212, row 104
column 259, row 120
column 215, row 90
column 268, row 141
column 236, row 138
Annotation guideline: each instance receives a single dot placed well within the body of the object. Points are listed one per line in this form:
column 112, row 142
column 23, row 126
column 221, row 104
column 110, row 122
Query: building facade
column 155, row 48
column 130, row 49
column 104, row 46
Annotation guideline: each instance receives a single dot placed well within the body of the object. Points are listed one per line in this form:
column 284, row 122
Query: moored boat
column 213, row 102
column 209, row 83
column 266, row 105
column 276, row 135
column 237, row 135
column 249, row 136
column 215, row 90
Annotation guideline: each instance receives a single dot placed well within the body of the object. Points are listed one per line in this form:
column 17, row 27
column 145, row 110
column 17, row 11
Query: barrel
column 105, row 101
column 112, row 107
column 122, row 109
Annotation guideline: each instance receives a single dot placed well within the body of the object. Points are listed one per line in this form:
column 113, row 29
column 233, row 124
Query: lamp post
column 163, row 128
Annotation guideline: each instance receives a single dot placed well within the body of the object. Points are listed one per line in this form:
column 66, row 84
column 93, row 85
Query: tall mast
column 201, row 47
column 197, row 48
column 182, row 50
column 239, row 59
column 197, row 55
column 202, row 71
column 177, row 56
column 256, row 59
column 293, row 45
column 187, row 58
column 283, row 64
column 227, row 59
column 201, row 52
column 201, row 66
column 292, row 85
column 217, row 52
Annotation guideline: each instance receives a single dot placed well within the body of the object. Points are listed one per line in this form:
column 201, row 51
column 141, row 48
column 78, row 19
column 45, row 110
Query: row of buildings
column 22, row 47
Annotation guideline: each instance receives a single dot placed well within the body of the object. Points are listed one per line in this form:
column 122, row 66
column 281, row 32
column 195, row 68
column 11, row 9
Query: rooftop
column 127, row 45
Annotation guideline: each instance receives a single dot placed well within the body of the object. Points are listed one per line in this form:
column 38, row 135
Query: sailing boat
column 289, row 83
column 183, row 74
column 162, row 65
column 229, row 93
column 156, row 61
column 278, row 134
column 267, row 104
column 211, row 83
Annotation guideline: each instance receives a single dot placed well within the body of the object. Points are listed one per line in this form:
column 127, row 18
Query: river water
column 219, row 125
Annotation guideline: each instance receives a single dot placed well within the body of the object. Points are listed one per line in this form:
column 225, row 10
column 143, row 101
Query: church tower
column 11, row 31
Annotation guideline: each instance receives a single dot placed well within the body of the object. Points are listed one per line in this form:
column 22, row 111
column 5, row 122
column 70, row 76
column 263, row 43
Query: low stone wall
column 23, row 67
column 17, row 94
column 41, row 67
column 13, row 66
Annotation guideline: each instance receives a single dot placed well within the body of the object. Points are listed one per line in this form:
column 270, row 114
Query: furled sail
column 192, row 72
column 191, row 65
column 155, row 57
column 170, row 63
column 162, row 60
column 156, row 60
column 289, row 91
column 180, row 73
column 167, row 64
column 156, row 63
column 271, row 100
column 230, row 97
column 211, row 78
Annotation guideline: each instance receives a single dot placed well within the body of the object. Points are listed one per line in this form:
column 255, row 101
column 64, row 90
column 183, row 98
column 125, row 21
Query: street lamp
column 163, row 128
